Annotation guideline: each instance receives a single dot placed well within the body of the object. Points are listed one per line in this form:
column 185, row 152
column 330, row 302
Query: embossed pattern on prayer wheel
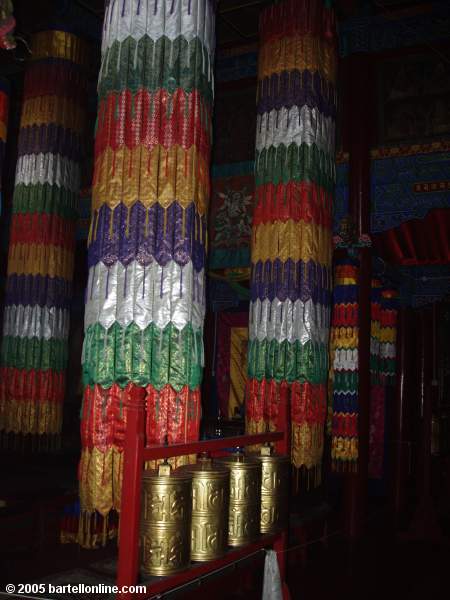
column 274, row 491
column 210, row 501
column 165, row 521
column 245, row 499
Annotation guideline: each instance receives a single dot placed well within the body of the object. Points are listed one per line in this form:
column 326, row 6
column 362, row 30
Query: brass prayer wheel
column 245, row 498
column 274, row 490
column 165, row 521
column 210, row 500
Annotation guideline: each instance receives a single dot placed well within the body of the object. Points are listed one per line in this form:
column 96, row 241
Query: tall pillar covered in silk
column 291, row 244
column 344, row 366
column 41, row 247
column 145, row 300
column 383, row 374
column 388, row 337
column 4, row 110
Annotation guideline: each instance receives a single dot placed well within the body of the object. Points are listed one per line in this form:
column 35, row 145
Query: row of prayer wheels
column 195, row 512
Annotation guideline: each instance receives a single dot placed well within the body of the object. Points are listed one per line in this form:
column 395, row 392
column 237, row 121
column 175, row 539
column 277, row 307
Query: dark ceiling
column 237, row 22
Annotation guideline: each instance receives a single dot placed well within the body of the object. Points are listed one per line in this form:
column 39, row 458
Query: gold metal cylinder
column 210, row 501
column 274, row 491
column 165, row 521
column 245, row 499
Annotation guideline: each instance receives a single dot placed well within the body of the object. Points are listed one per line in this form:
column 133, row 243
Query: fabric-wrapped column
column 291, row 240
column 41, row 247
column 383, row 372
column 145, row 300
column 4, row 110
column 344, row 366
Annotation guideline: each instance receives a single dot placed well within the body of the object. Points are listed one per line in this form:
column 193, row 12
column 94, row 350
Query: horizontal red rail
column 157, row 452
column 163, row 584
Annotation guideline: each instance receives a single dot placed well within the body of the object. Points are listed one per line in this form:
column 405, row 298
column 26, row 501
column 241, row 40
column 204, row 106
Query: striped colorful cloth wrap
column 145, row 298
column 4, row 110
column 388, row 337
column 291, row 233
column 344, row 365
column 41, row 247
column 382, row 370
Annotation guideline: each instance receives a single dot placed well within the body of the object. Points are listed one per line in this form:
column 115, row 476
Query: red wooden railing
column 135, row 455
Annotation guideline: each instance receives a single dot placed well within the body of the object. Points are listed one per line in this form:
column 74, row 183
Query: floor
column 382, row 566
column 403, row 563
column 375, row 570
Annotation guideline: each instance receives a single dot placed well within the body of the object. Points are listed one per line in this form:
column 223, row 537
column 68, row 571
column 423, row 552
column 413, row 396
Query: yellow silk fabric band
column 126, row 176
column 307, row 444
column 100, row 474
column 297, row 53
column 383, row 334
column 31, row 417
column 59, row 44
column 238, row 368
column 40, row 259
column 59, row 111
column 344, row 449
column 295, row 240
column 344, row 337
column 345, row 281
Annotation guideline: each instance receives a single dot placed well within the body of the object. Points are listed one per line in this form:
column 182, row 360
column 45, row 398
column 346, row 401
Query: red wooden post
column 128, row 565
column 425, row 524
column 400, row 430
column 359, row 97
column 283, row 447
